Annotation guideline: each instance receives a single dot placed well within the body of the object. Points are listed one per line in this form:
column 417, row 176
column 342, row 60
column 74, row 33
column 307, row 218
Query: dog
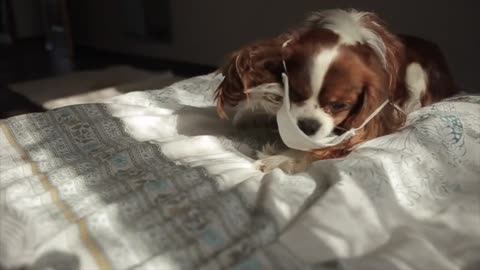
column 346, row 71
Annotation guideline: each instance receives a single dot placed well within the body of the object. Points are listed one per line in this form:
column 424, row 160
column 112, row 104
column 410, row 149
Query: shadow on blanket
column 52, row 260
column 253, row 134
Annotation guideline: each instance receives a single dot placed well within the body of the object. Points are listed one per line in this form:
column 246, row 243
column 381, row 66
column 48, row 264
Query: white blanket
column 154, row 180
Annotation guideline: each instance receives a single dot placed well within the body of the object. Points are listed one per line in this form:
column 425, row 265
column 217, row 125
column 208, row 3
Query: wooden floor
column 29, row 60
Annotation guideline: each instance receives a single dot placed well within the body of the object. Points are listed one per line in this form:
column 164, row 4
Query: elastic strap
column 283, row 60
column 370, row 117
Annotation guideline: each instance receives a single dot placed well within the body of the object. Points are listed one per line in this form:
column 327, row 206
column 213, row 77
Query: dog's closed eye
column 338, row 106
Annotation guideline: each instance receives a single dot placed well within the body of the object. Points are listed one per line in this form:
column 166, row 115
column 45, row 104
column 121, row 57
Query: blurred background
column 59, row 52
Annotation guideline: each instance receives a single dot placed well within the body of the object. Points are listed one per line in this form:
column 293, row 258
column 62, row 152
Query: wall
column 205, row 31
column 27, row 18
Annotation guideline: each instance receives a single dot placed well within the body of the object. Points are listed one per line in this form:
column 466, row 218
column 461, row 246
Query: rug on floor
column 91, row 86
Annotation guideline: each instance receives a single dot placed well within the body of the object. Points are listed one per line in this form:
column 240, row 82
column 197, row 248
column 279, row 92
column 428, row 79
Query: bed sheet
column 155, row 180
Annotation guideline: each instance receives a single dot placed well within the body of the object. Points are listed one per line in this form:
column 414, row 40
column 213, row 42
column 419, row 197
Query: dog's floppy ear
column 256, row 64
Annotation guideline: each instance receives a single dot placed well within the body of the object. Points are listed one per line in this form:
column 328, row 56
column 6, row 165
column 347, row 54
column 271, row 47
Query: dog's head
column 342, row 65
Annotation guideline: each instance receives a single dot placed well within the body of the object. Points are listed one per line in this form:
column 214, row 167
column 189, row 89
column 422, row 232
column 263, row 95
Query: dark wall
column 27, row 18
column 205, row 31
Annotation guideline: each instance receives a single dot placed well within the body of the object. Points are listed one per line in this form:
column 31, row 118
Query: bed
column 154, row 180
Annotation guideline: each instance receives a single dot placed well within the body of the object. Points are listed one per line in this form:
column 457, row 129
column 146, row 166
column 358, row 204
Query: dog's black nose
column 308, row 126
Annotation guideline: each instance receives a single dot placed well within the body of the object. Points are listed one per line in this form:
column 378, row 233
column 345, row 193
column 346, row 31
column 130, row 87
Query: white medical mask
column 294, row 137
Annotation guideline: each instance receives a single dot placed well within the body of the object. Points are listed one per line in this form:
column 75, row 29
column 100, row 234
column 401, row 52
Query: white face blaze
column 310, row 108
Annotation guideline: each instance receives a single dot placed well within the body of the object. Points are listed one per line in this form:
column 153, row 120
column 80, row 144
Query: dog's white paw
column 268, row 150
column 286, row 163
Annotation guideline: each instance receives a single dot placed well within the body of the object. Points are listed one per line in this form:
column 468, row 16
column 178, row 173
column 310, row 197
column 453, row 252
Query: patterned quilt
column 154, row 180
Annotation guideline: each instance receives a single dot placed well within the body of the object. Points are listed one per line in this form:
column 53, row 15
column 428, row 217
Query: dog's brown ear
column 258, row 63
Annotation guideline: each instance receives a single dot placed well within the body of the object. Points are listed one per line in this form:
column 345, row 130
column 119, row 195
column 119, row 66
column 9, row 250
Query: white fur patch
column 416, row 79
column 321, row 63
column 350, row 26
column 290, row 161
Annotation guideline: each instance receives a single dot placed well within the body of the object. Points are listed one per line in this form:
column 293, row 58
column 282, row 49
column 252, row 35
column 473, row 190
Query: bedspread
column 155, row 180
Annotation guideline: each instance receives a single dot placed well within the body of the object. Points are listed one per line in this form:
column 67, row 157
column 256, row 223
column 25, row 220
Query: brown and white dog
column 342, row 65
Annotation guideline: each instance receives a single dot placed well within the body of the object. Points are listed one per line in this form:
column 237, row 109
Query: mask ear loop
column 370, row 117
column 284, row 45
column 341, row 128
column 373, row 114
column 396, row 107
